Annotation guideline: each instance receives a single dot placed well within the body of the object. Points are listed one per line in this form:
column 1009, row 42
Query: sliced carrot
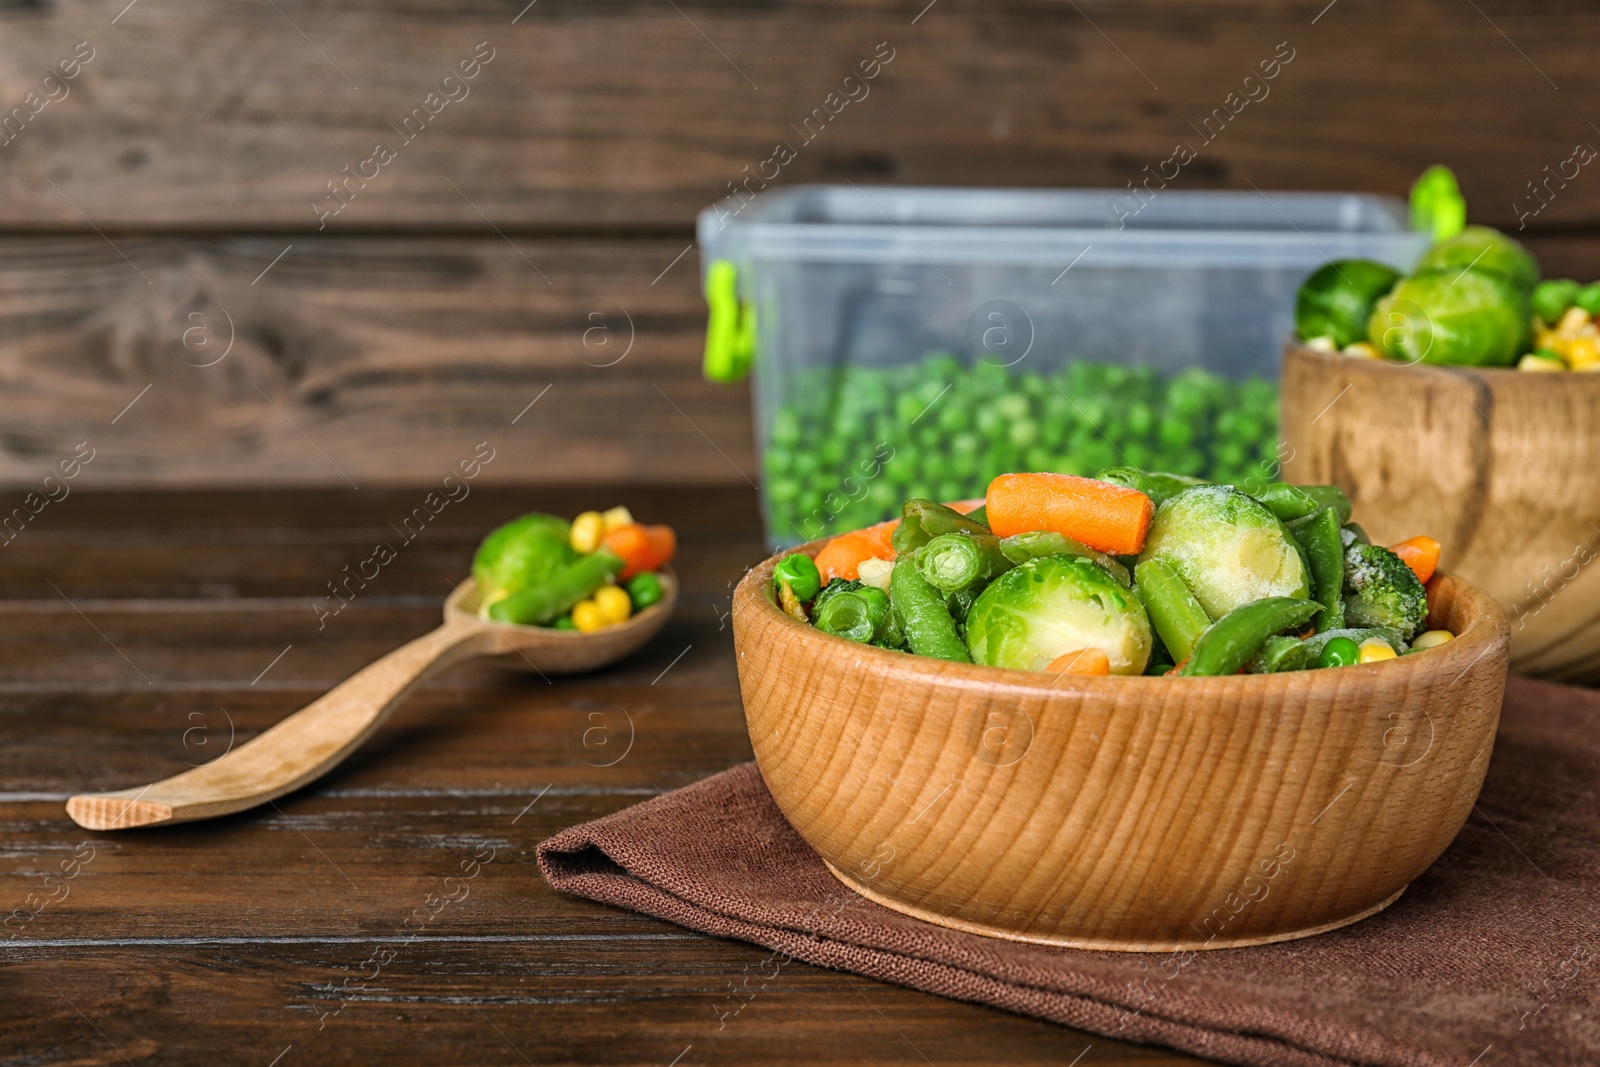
column 966, row 507
column 642, row 548
column 1110, row 518
column 1177, row 669
column 1081, row 661
column 841, row 557
column 1421, row 555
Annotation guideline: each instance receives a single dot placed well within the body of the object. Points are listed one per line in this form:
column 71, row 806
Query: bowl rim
column 1294, row 347
column 1487, row 629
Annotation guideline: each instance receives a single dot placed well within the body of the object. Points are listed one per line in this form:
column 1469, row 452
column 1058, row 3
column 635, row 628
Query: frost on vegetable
column 1228, row 548
column 1381, row 591
column 1047, row 607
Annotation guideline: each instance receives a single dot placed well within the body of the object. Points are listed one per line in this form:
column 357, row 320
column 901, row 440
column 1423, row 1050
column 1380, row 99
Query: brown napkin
column 1489, row 958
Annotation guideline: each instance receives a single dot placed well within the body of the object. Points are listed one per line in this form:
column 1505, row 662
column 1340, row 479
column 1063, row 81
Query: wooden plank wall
column 142, row 199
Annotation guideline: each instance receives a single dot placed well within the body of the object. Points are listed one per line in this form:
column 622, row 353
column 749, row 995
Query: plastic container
column 917, row 342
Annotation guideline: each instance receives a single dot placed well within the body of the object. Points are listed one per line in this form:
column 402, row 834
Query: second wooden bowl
column 1138, row 814
column 1502, row 466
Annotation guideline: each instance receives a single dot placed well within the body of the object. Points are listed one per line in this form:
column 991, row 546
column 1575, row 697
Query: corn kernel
column 1433, row 639
column 1531, row 362
column 1547, row 339
column 1374, row 650
column 587, row 529
column 1583, row 352
column 587, row 617
column 613, row 603
column 875, row 572
column 1574, row 320
column 617, row 516
column 1322, row 344
column 1361, row 350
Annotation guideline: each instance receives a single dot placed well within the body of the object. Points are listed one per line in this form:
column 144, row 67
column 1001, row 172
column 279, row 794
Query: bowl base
column 1104, row 944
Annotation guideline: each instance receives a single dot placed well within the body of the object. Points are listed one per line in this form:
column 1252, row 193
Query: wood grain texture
column 234, row 938
column 1130, row 814
column 359, row 362
column 311, row 742
column 629, row 115
column 1498, row 465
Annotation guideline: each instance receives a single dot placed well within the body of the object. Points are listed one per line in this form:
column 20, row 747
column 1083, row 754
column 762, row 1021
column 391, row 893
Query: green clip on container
column 917, row 342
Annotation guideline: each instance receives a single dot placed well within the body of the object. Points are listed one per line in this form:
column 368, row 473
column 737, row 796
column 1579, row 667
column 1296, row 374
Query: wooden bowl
column 1502, row 466
column 1136, row 814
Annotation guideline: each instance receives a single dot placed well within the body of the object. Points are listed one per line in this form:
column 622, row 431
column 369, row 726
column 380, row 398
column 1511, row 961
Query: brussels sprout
column 1228, row 548
column 1046, row 607
column 1480, row 248
column 1380, row 590
column 1337, row 300
column 1466, row 317
column 524, row 552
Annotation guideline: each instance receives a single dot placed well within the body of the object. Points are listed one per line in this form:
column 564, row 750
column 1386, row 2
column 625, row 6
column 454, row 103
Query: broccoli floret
column 1380, row 590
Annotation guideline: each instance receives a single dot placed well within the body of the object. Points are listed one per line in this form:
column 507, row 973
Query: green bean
column 1353, row 534
column 847, row 614
column 1157, row 485
column 923, row 615
column 1319, row 537
column 1176, row 614
column 980, row 514
column 542, row 604
column 1329, row 496
column 891, row 636
column 1282, row 499
column 956, row 561
column 1278, row 653
column 960, row 603
column 1020, row 548
column 1228, row 643
column 922, row 520
column 799, row 573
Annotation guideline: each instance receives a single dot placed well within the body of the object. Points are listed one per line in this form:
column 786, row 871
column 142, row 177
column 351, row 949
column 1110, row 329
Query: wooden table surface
column 140, row 632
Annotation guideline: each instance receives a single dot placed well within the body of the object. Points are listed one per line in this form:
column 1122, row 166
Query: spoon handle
column 297, row 750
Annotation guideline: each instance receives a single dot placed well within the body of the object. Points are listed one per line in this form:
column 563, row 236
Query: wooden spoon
column 317, row 738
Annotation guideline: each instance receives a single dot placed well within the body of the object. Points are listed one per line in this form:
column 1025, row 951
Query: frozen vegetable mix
column 541, row 570
column 1257, row 579
column 1473, row 299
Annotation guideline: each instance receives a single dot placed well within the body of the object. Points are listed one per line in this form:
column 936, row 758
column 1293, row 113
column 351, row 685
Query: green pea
column 1340, row 652
column 645, row 589
column 798, row 572
column 1588, row 299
